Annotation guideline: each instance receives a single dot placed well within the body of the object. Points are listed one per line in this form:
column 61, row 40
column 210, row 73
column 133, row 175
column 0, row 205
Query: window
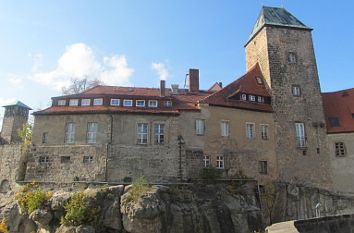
column 264, row 132
column 152, row 103
column 225, row 128
column 115, row 102
column 168, row 103
column 292, row 58
column 45, row 137
column 334, row 121
column 251, row 98
column 61, row 102
column 87, row 159
column 74, row 102
column 142, row 133
column 300, row 134
column 85, row 102
column 199, row 127
column 250, row 130
column 97, row 102
column 91, row 132
column 244, row 97
column 263, row 167
column 259, row 80
column 43, row 159
column 339, row 149
column 296, row 90
column 65, row 159
column 140, row 103
column 260, row 99
column 127, row 103
column 159, row 133
column 206, row 161
column 220, row 162
column 69, row 133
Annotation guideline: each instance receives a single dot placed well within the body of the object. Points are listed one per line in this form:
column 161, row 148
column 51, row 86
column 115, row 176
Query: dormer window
column 115, row 102
column 334, row 121
column 127, row 103
column 153, row 103
column 260, row 99
column 244, row 97
column 168, row 103
column 292, row 58
column 74, row 102
column 61, row 102
column 259, row 80
column 252, row 98
column 97, row 102
column 85, row 102
column 140, row 103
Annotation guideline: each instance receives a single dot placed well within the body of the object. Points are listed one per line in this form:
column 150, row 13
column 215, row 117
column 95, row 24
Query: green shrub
column 210, row 173
column 30, row 197
column 139, row 187
column 236, row 187
column 77, row 212
column 3, row 228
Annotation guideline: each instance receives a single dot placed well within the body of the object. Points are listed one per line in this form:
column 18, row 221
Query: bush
column 210, row 173
column 139, row 187
column 3, row 228
column 77, row 212
column 30, row 197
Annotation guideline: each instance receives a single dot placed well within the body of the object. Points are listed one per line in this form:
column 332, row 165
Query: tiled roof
column 339, row 104
column 181, row 102
column 19, row 104
column 246, row 84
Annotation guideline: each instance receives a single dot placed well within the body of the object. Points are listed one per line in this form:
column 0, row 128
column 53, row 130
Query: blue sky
column 44, row 43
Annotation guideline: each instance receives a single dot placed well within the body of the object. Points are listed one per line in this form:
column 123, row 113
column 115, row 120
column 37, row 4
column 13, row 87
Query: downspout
column 108, row 147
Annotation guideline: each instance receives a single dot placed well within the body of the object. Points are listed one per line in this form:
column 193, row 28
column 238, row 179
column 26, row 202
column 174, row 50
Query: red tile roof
column 246, row 84
column 339, row 104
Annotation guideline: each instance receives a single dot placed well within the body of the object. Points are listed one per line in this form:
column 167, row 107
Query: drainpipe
column 180, row 143
column 108, row 147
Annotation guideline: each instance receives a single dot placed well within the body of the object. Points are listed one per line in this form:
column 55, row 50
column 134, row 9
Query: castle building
column 273, row 123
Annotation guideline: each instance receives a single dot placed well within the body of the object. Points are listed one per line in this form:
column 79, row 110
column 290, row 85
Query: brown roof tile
column 339, row 104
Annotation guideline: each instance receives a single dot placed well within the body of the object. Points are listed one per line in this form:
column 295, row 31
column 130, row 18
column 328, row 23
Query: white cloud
column 79, row 61
column 5, row 101
column 161, row 70
column 37, row 61
column 15, row 80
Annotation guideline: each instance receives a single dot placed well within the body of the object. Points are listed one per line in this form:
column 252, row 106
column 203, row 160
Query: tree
column 80, row 85
column 268, row 199
column 25, row 133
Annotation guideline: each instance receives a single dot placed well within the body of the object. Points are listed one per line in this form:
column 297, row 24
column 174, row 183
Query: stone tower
column 282, row 45
column 16, row 115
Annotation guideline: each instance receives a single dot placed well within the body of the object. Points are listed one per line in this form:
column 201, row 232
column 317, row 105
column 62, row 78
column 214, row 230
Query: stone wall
column 11, row 163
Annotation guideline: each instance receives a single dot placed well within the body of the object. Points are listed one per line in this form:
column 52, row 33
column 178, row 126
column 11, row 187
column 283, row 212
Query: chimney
column 162, row 88
column 174, row 88
column 220, row 84
column 193, row 80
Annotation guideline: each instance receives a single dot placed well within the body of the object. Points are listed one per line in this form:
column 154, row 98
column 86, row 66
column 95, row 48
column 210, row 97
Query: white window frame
column 225, row 128
column 260, row 99
column 250, row 130
column 243, row 96
column 153, row 104
column 206, row 161
column 296, row 90
column 140, row 105
column 252, row 98
column 115, row 102
column 142, row 137
column 300, row 134
column 264, row 131
column 87, row 159
column 98, row 102
column 43, row 159
column 199, row 127
column 127, row 103
column 168, row 103
column 61, row 102
column 220, row 162
column 91, row 135
column 70, row 129
column 74, row 102
column 159, row 133
column 85, row 102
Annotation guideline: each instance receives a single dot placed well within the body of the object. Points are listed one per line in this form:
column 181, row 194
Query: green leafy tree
column 25, row 133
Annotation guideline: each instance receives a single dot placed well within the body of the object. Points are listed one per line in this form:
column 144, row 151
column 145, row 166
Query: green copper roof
column 19, row 104
column 275, row 16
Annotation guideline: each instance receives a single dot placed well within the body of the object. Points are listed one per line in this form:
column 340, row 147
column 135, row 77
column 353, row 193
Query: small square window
column 127, row 103
column 334, row 121
column 65, row 159
column 45, row 137
column 85, row 102
column 206, row 161
column 88, row 159
column 168, row 103
column 220, row 162
column 260, row 99
column 292, row 58
column 259, row 80
column 244, row 97
column 43, row 159
column 140, row 103
column 251, row 98
column 115, row 102
column 340, row 149
column 153, row 103
column 263, row 167
column 61, row 102
column 296, row 90
column 74, row 102
column 98, row 102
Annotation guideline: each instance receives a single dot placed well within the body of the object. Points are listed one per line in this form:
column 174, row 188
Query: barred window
column 91, row 132
column 340, row 149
